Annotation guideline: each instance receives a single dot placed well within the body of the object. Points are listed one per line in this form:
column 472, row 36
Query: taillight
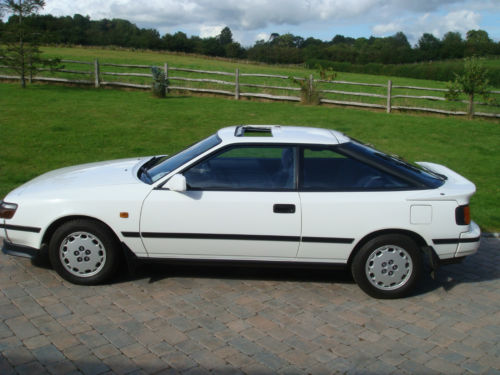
column 462, row 215
column 7, row 210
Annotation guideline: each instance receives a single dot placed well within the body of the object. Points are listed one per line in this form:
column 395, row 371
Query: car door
column 343, row 199
column 240, row 203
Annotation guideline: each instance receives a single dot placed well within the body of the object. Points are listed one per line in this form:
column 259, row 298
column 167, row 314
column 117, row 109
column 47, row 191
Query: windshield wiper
column 143, row 170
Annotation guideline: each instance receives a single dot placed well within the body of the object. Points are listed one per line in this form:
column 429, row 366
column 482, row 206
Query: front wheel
column 84, row 252
column 387, row 266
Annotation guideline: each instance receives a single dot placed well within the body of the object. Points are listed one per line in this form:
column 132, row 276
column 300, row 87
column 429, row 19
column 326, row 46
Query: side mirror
column 177, row 183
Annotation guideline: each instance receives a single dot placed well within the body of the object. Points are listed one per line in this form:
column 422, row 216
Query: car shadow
column 482, row 266
column 157, row 271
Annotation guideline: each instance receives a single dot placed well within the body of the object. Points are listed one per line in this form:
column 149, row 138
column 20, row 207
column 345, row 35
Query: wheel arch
column 49, row 232
column 419, row 240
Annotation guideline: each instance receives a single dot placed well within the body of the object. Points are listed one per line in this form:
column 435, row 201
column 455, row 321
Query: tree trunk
column 22, row 53
column 470, row 109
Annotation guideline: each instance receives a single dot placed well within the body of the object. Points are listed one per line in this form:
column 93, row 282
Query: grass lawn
column 45, row 127
column 125, row 56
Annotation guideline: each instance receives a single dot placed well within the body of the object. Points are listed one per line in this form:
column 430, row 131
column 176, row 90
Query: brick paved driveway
column 250, row 321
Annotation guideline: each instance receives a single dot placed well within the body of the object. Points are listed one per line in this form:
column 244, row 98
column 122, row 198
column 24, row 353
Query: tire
column 388, row 266
column 84, row 252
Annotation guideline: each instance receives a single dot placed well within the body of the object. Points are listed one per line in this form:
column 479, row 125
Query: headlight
column 7, row 210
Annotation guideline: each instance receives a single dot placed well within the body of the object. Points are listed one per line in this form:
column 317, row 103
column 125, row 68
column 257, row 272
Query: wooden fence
column 240, row 85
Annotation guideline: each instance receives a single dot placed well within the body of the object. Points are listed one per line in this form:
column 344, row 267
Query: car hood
column 105, row 173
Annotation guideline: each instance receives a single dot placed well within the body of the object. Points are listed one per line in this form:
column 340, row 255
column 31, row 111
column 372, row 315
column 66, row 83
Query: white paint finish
column 421, row 214
column 348, row 215
column 234, row 213
column 456, row 187
column 468, row 248
column 103, row 190
column 286, row 134
column 337, row 253
column 85, row 176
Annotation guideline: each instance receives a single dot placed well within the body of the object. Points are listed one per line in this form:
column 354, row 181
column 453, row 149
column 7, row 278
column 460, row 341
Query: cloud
column 251, row 17
column 438, row 25
column 210, row 31
column 262, row 36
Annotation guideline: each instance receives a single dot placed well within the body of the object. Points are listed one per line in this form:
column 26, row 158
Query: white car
column 255, row 193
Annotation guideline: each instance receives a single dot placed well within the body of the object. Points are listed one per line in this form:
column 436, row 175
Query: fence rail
column 261, row 90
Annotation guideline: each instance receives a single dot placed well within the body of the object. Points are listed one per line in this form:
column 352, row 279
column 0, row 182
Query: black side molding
column 244, row 237
column 451, row 241
column 20, row 228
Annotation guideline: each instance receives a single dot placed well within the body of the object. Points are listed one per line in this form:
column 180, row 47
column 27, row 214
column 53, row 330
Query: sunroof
column 253, row 131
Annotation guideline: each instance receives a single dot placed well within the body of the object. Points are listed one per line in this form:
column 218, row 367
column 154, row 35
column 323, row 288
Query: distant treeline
column 366, row 55
column 434, row 70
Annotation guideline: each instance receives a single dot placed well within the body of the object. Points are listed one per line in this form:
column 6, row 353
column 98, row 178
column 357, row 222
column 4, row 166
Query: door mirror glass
column 177, row 183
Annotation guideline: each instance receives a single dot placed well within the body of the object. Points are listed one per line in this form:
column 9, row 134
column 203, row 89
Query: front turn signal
column 7, row 210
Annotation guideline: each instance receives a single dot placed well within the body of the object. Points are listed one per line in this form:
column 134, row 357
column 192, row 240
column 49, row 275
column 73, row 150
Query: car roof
column 280, row 134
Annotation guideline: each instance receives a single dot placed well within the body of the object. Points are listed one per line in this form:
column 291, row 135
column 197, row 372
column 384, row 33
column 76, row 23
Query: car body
column 250, row 193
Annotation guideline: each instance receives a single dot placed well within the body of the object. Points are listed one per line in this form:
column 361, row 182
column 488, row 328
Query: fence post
column 165, row 69
column 96, row 74
column 389, row 89
column 237, row 84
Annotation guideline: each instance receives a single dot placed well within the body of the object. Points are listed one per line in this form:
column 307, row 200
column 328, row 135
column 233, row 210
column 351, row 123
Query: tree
column 452, row 45
column 473, row 81
column 21, row 53
column 225, row 37
column 478, row 43
column 429, row 47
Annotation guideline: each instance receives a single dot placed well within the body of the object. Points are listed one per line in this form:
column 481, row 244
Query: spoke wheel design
column 82, row 254
column 389, row 267
column 84, row 251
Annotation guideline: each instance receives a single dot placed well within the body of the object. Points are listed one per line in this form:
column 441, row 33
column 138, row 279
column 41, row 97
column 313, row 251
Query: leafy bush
column 159, row 82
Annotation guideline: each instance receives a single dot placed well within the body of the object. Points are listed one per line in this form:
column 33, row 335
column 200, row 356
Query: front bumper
column 18, row 250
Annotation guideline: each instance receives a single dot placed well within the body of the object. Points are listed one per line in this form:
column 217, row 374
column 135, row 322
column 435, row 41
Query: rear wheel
column 388, row 266
column 84, row 252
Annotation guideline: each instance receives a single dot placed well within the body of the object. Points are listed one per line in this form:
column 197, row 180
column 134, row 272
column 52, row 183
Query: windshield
column 169, row 164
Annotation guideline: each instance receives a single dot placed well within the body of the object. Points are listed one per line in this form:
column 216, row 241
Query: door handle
column 284, row 208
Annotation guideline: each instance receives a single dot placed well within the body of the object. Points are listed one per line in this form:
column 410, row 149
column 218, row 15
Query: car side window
column 323, row 169
column 245, row 168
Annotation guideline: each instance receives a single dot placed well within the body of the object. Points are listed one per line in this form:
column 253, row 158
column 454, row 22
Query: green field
column 45, row 127
column 124, row 56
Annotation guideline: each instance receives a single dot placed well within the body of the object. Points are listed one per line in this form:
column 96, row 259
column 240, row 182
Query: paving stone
column 179, row 361
column 270, row 322
column 105, row 351
column 31, row 368
column 119, row 364
column 22, row 327
column 61, row 368
column 91, row 365
column 47, row 354
column 270, row 360
column 18, row 355
column 36, row 342
column 5, row 366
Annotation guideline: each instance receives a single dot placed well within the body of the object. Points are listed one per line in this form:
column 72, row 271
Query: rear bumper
column 18, row 250
column 469, row 241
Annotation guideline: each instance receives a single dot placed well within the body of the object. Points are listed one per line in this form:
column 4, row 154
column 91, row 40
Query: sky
column 252, row 20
